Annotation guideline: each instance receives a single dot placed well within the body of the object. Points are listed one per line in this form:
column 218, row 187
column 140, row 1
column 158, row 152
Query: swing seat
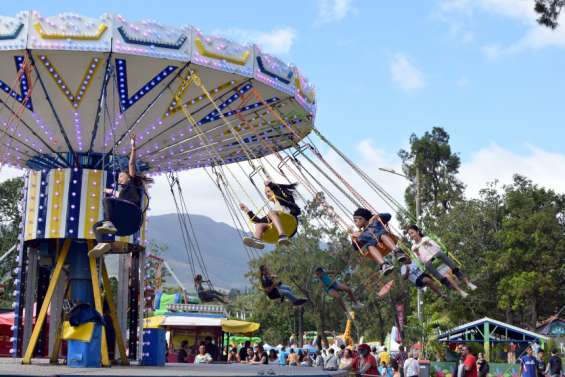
column 289, row 224
column 126, row 217
column 381, row 247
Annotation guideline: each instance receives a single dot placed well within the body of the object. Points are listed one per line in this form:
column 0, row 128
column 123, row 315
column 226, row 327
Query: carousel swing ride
column 74, row 90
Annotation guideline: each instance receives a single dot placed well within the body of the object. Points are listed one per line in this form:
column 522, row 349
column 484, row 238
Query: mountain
column 224, row 256
column 222, row 251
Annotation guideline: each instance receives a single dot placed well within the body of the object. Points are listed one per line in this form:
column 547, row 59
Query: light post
column 420, row 297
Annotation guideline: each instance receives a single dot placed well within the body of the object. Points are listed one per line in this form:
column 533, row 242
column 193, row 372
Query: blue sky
column 482, row 69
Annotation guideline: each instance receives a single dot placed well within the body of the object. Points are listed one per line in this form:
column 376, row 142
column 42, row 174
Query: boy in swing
column 132, row 186
column 372, row 230
column 431, row 255
column 283, row 197
column 333, row 287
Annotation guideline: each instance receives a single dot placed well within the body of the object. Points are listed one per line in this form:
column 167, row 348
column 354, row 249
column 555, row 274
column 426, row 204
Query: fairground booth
column 194, row 323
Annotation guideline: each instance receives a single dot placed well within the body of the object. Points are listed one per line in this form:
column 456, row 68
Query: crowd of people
column 364, row 360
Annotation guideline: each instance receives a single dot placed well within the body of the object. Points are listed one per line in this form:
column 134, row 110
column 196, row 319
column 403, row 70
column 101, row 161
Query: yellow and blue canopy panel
column 73, row 89
column 66, row 203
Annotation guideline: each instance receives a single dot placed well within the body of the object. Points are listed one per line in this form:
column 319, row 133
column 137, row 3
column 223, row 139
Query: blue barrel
column 85, row 354
column 154, row 347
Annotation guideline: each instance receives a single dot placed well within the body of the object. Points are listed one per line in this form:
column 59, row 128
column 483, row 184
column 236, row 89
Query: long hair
column 282, row 191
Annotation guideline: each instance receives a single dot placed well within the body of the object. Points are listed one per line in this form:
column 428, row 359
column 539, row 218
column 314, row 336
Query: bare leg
column 260, row 228
column 455, row 285
column 347, row 290
column 274, row 216
column 432, row 285
column 335, row 294
column 388, row 241
column 375, row 255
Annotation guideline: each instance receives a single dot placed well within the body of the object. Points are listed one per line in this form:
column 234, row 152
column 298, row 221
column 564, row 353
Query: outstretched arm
column 132, row 157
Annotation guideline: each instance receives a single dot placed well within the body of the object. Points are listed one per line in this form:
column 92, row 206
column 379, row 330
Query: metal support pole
column 486, row 340
column 141, row 305
column 56, row 311
column 123, row 293
column 30, row 288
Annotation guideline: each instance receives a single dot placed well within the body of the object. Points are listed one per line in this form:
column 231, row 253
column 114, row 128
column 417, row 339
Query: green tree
column 511, row 243
column 549, row 11
column 10, row 219
column 532, row 254
column 431, row 161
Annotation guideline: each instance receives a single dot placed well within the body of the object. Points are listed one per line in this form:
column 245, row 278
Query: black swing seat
column 126, row 216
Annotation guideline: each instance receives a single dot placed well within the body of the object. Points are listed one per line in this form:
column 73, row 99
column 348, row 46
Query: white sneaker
column 107, row 228
column 463, row 294
column 253, row 242
column 471, row 286
column 100, row 249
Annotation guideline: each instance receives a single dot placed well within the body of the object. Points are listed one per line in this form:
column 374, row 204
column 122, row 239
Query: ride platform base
column 41, row 368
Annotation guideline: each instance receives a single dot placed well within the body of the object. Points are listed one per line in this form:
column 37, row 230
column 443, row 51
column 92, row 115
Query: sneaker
column 471, row 286
column 463, row 294
column 399, row 255
column 253, row 242
column 100, row 249
column 300, row 301
column 357, row 305
column 107, row 228
column 386, row 268
column 283, row 240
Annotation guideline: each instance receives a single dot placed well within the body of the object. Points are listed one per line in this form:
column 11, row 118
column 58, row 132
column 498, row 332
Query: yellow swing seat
column 289, row 224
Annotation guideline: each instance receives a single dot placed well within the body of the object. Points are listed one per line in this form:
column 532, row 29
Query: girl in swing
column 372, row 230
column 431, row 255
column 333, row 287
column 131, row 189
column 283, row 197
column 207, row 295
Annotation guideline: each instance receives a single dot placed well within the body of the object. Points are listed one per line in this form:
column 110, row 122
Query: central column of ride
column 61, row 207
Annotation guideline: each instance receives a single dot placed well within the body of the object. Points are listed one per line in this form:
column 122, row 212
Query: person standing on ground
column 182, row 353
column 400, row 358
column 331, row 362
column 411, row 366
column 345, row 363
column 554, row 367
column 365, row 364
column 511, row 356
column 484, row 367
column 282, row 356
column 541, row 363
column 469, row 362
column 243, row 350
column 528, row 364
column 203, row 357
column 384, row 357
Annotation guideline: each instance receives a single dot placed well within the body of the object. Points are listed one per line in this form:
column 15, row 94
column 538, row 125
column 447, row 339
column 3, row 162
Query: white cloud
column 278, row 41
column 534, row 36
column 494, row 162
column 333, row 10
column 405, row 74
